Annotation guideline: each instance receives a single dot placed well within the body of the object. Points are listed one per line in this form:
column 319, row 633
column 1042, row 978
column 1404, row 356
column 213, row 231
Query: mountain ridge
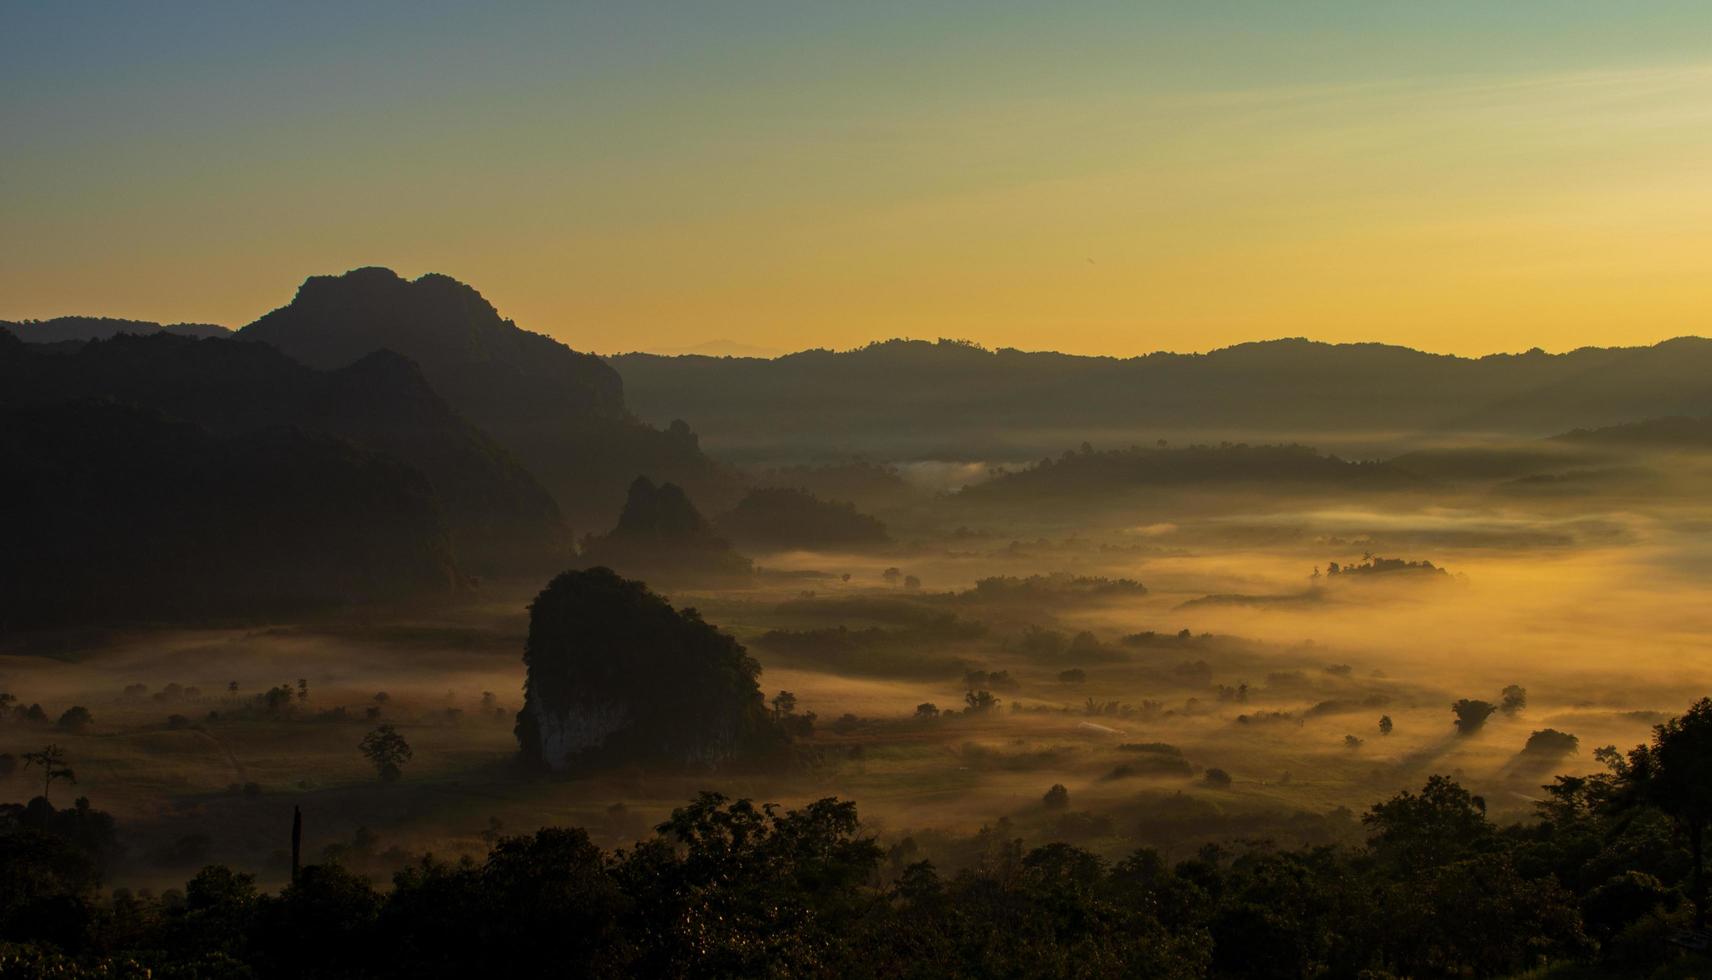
column 562, row 412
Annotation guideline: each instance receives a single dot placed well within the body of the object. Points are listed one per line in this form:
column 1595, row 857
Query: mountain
column 662, row 537
column 1669, row 432
column 790, row 517
column 116, row 513
column 1109, row 477
column 721, row 348
column 499, row 517
column 64, row 329
column 956, row 400
column 562, row 412
column 616, row 676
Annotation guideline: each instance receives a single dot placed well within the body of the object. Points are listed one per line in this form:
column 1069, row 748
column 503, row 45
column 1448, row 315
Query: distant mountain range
column 949, row 398
column 379, row 438
column 75, row 328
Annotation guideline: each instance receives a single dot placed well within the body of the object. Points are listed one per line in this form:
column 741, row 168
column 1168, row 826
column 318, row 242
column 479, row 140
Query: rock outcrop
column 617, row 676
column 661, row 537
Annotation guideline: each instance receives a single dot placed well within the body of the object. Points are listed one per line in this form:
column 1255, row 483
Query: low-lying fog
column 1244, row 656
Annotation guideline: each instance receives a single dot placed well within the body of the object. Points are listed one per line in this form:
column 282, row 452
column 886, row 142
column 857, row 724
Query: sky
column 1105, row 178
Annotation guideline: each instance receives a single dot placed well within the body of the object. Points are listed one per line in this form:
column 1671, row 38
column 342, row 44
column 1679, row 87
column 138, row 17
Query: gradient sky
column 1101, row 178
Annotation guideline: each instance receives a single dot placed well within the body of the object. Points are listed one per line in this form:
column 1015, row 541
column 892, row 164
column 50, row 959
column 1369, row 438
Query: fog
column 1594, row 606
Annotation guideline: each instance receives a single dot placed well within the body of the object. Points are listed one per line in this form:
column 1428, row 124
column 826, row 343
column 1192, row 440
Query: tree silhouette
column 387, row 750
column 1430, row 829
column 1471, row 715
column 1515, row 698
column 1385, row 724
column 52, row 762
column 1674, row 774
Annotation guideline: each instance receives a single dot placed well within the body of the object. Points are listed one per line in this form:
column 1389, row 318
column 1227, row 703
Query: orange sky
column 1100, row 179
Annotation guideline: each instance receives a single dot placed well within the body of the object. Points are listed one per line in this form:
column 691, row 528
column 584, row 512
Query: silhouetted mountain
column 115, row 513
column 1672, row 432
column 1106, row 476
column 499, row 516
column 870, row 486
column 562, row 412
column 616, row 675
column 661, row 537
column 76, row 328
column 781, row 517
column 952, row 398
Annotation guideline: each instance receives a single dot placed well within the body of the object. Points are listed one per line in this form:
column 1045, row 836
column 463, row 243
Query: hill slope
column 498, row 515
column 115, row 513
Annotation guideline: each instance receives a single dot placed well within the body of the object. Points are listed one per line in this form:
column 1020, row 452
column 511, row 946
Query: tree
column 1351, row 742
column 1471, row 715
column 891, row 575
column 76, row 719
column 1551, row 744
column 52, row 762
column 980, row 702
column 784, row 705
column 1056, row 798
column 926, row 711
column 1384, row 724
column 1674, row 774
column 1429, row 829
column 387, row 750
column 1513, row 700
column 1217, row 778
column 277, row 699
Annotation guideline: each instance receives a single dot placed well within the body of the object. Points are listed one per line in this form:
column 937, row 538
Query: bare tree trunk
column 1696, row 842
column 296, row 842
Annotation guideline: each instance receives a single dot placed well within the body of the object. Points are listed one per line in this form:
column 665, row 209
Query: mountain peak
column 461, row 342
